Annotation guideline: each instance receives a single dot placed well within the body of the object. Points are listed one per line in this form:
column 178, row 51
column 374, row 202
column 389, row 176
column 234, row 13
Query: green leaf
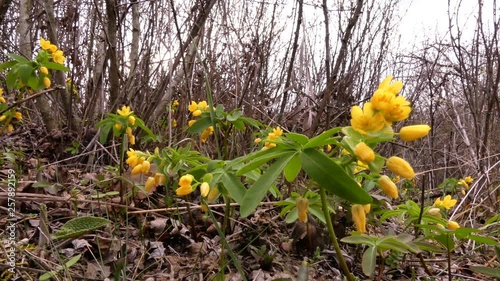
column 298, row 138
column 258, row 161
column 78, row 226
column 369, row 261
column 488, row 271
column 393, row 244
column 319, row 139
column 484, row 240
column 11, row 78
column 25, row 72
column 377, row 165
column 292, row 216
column 234, row 187
column 68, row 264
column 292, row 169
column 318, row 213
column 55, row 66
column 8, row 64
column 18, row 58
column 359, row 239
column 234, row 116
column 258, row 190
column 200, row 125
column 332, row 177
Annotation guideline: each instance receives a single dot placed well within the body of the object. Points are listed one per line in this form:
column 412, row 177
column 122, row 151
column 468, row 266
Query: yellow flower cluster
column 274, row 135
column 8, row 115
column 57, row 55
column 197, row 109
column 127, row 113
column 151, row 182
column 465, row 183
column 137, row 161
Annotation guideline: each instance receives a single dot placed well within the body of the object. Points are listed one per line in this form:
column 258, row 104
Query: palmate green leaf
column 292, row 169
column 78, row 226
column 259, row 189
column 369, row 261
column 332, row 177
column 200, row 125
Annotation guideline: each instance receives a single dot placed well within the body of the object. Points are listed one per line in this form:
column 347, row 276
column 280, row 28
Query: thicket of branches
column 301, row 65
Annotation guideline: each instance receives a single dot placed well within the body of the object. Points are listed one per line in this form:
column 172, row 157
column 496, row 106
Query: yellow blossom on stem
column 196, row 113
column 436, row 212
column 468, row 179
column 2, row 99
column 58, row 57
column 18, row 115
column 328, row 148
column 150, row 183
column 366, row 120
column 53, row 48
column 45, row 44
column 133, row 158
column 193, row 107
column 191, row 122
column 204, row 189
column 410, row 133
column 203, row 106
column 2, row 118
column 131, row 120
column 160, row 179
column 46, row 82
column 453, row 225
column 367, row 208
column 137, row 169
column 278, row 131
column 302, row 205
column 446, row 203
column 463, row 183
column 124, row 111
column 131, row 139
column 257, row 140
column 206, row 133
column 10, row 128
column 44, row 70
column 145, row 167
column 400, row 167
column 359, row 217
column 388, row 186
column 397, row 110
column 175, row 103
column 364, row 152
column 185, row 187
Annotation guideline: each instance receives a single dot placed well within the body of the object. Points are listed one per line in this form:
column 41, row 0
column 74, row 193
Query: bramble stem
column 333, row 237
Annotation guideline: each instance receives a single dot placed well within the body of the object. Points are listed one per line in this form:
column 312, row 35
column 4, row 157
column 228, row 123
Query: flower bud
column 410, row 133
column 452, row 225
column 160, row 179
column 46, row 82
column 150, row 183
column 359, row 217
column 204, row 189
column 364, row 152
column 145, row 167
column 436, row 212
column 44, row 70
column 388, row 186
column 302, row 208
column 400, row 167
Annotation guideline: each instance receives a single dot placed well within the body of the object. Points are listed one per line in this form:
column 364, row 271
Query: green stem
column 335, row 243
column 227, row 213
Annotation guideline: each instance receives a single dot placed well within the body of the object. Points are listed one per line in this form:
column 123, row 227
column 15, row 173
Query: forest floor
column 151, row 242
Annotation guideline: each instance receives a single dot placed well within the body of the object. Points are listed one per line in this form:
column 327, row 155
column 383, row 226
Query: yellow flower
column 184, row 190
column 131, row 120
column 452, row 225
column 2, row 118
column 193, row 107
column 58, row 57
column 196, row 113
column 388, row 186
column 410, row 133
column 18, row 115
column 206, row 133
column 175, row 103
column 463, row 192
column 174, row 123
column 204, row 189
column 53, row 48
column 44, row 70
column 160, row 179
column 46, row 82
column 133, row 158
column 302, row 205
column 463, row 183
column 386, row 86
column 10, row 128
column 366, row 120
column 118, row 126
column 367, row 208
column 364, row 152
column 447, row 202
column 137, row 169
column 212, row 195
column 328, row 148
column 2, row 99
column 150, row 183
column 400, row 167
column 203, row 106
column 45, row 44
column 257, row 140
column 186, row 180
column 131, row 139
column 191, row 122
column 359, row 217
column 436, row 212
column 278, row 131
column 397, row 110
column 128, row 131
column 145, row 167
column 125, row 111
column 468, row 179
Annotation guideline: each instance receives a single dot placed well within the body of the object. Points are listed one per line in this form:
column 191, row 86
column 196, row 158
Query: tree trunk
column 114, row 77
